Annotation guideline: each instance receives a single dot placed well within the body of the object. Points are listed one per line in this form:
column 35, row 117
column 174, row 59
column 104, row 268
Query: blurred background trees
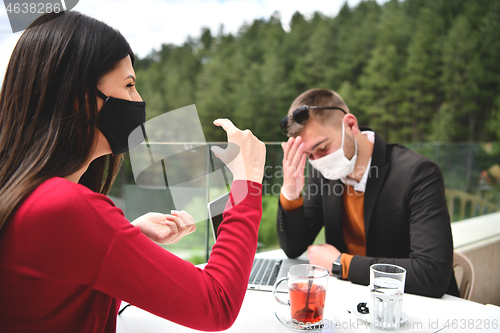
column 425, row 73
column 413, row 70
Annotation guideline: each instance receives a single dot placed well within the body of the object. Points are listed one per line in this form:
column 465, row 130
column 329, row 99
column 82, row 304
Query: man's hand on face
column 294, row 162
column 322, row 255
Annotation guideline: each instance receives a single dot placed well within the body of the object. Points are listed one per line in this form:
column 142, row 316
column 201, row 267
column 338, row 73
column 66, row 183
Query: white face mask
column 335, row 165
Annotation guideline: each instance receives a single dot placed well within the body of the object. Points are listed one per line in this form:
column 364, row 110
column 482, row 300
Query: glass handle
column 275, row 294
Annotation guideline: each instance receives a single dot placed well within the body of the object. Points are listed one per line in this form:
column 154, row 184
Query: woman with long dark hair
column 67, row 255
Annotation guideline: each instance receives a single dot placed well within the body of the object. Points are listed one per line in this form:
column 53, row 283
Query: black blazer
column 405, row 214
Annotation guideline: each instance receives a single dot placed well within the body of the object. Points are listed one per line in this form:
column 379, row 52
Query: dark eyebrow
column 316, row 145
column 130, row 77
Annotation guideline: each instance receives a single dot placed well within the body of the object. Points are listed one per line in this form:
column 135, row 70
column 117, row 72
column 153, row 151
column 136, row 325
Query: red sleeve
column 143, row 274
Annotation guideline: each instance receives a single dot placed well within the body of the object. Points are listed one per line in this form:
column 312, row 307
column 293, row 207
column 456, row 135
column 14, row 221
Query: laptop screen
column 215, row 212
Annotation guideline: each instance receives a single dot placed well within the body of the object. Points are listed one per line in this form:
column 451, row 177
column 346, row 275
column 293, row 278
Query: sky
column 147, row 24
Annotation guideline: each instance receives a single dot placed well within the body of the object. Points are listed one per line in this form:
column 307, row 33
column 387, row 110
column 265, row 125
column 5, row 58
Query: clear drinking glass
column 387, row 284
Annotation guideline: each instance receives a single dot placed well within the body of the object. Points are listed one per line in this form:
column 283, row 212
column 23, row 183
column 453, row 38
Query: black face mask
column 118, row 119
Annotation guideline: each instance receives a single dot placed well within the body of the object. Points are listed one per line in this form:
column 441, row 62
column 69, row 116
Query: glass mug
column 307, row 293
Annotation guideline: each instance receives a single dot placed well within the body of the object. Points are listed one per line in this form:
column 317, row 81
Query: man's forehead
column 315, row 127
column 315, row 133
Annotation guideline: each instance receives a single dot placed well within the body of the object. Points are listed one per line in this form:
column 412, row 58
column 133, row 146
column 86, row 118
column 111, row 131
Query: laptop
column 265, row 271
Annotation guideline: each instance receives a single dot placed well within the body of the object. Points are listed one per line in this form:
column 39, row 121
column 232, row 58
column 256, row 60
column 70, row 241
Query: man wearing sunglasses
column 378, row 202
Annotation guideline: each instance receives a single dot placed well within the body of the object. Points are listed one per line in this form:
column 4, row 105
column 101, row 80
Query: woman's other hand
column 166, row 228
column 245, row 155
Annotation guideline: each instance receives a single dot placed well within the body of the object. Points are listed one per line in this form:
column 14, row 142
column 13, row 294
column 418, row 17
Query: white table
column 258, row 313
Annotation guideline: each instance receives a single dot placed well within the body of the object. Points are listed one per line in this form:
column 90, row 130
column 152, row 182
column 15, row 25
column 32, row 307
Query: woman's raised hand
column 245, row 155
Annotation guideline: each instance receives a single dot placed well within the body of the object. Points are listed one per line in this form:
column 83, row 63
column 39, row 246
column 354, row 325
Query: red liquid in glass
column 298, row 297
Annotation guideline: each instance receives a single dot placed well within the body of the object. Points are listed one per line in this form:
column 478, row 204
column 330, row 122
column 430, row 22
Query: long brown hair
column 48, row 105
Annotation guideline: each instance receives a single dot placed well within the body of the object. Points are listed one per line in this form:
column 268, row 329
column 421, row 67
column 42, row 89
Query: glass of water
column 387, row 285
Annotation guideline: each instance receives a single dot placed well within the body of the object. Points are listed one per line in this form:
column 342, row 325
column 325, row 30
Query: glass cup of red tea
column 307, row 293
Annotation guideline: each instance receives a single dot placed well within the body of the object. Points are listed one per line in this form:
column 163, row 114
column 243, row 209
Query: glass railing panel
column 194, row 178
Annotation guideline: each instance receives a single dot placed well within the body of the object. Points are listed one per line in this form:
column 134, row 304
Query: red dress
column 68, row 256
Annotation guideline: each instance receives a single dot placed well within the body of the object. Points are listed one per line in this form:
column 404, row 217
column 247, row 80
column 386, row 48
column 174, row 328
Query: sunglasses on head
column 301, row 115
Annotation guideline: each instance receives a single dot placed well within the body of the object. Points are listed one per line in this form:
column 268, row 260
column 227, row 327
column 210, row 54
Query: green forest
column 413, row 70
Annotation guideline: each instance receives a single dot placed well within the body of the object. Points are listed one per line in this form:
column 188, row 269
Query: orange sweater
column 353, row 224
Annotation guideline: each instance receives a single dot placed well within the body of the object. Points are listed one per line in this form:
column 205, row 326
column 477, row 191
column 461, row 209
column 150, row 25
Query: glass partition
column 471, row 173
column 192, row 176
